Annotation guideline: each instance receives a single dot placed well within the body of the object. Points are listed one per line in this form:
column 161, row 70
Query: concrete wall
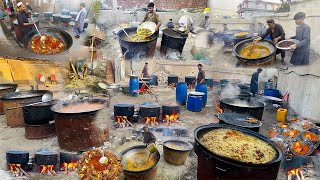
column 165, row 4
column 311, row 8
column 304, row 93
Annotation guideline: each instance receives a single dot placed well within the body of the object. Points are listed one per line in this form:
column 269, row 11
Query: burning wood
column 47, row 170
column 151, row 120
column 295, row 174
column 122, row 121
column 67, row 167
column 17, row 170
column 218, row 107
column 174, row 117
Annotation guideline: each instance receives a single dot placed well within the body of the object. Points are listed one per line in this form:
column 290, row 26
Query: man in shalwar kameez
column 301, row 53
column 78, row 27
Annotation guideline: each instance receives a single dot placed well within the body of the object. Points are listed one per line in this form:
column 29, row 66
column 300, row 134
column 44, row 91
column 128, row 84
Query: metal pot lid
column 170, row 32
column 239, row 120
column 17, row 152
column 65, row 16
column 8, row 86
column 150, row 105
column 24, row 94
column 196, row 93
column 172, row 75
column 242, row 103
column 123, row 105
column 56, row 15
column 48, row 12
column 190, row 77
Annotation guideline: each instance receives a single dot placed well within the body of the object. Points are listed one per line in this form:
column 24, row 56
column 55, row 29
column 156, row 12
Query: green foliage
column 201, row 54
column 285, row 6
column 96, row 6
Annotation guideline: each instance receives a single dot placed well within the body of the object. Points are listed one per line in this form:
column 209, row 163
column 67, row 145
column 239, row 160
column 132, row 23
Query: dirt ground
column 14, row 139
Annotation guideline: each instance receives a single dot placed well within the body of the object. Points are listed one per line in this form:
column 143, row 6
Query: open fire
column 218, row 107
column 17, row 170
column 122, row 121
column 151, row 120
column 295, row 174
column 68, row 167
column 173, row 118
column 47, row 170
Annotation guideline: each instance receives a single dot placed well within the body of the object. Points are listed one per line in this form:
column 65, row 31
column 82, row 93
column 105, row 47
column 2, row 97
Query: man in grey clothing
column 301, row 53
column 78, row 27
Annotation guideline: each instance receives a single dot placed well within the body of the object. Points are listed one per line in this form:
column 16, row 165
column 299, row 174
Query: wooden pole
column 93, row 38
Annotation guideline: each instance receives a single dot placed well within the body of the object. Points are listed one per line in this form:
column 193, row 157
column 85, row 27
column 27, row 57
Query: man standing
column 277, row 34
column 145, row 73
column 152, row 16
column 22, row 16
column 29, row 7
column 301, row 53
column 78, row 27
column 10, row 5
column 254, row 82
column 204, row 23
column 225, row 27
column 201, row 75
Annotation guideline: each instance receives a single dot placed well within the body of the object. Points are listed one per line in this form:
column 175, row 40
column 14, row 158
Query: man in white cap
column 22, row 17
column 78, row 27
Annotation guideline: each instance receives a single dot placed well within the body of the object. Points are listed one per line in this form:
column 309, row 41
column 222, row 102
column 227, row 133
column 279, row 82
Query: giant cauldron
column 136, row 49
column 257, row 61
column 61, row 34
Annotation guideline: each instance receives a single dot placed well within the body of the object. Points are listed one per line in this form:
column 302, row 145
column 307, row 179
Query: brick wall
column 166, row 4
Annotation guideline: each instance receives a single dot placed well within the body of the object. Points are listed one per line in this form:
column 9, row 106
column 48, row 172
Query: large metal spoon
column 42, row 37
column 125, row 31
column 47, row 97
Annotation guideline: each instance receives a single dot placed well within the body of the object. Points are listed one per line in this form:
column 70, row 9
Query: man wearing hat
column 277, row 34
column 201, row 75
column 22, row 17
column 301, row 53
column 254, row 82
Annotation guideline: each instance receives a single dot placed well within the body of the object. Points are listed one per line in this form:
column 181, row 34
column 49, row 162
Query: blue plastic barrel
column 203, row 88
column 223, row 83
column 272, row 92
column 268, row 85
column 133, row 85
column 195, row 102
column 154, row 80
column 209, row 83
column 181, row 93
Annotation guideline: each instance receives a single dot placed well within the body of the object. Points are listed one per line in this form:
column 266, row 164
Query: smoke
column 230, row 91
column 268, row 74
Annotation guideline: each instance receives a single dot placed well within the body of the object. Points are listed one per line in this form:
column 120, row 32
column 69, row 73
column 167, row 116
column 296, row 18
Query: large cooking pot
column 133, row 49
column 59, row 33
column 38, row 114
column 15, row 99
column 247, row 106
column 150, row 110
column 123, row 109
column 46, row 158
column 172, row 39
column 4, row 89
column 76, row 125
column 148, row 174
column 176, row 152
column 17, row 157
column 239, row 120
column 243, row 44
column 212, row 166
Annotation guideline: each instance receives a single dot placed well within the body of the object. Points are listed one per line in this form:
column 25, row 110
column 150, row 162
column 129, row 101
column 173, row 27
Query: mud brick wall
column 164, row 4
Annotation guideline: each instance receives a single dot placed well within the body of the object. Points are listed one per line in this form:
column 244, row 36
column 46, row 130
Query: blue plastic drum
column 195, row 101
column 223, row 83
column 203, row 88
column 268, row 85
column 272, row 92
column 154, row 80
column 181, row 93
column 133, row 85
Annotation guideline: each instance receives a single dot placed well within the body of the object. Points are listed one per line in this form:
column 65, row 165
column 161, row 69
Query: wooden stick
column 127, row 121
column 150, row 90
column 93, row 38
column 290, row 177
column 24, row 172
